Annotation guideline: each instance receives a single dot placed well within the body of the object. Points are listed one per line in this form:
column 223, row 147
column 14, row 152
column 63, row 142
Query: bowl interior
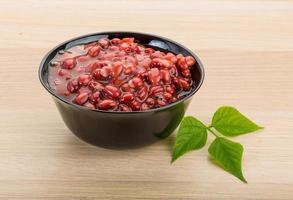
column 156, row 42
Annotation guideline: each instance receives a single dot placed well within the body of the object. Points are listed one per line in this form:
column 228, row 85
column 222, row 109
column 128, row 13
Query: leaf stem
column 211, row 130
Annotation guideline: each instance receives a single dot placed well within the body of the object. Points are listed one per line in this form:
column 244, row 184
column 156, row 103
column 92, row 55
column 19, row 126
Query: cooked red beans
column 120, row 75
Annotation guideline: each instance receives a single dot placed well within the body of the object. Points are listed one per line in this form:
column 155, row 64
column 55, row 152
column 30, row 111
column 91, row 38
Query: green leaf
column 228, row 155
column 192, row 135
column 230, row 122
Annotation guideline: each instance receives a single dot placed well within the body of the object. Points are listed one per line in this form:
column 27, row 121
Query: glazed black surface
column 123, row 129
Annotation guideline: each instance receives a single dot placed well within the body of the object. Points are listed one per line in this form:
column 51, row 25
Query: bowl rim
column 44, row 59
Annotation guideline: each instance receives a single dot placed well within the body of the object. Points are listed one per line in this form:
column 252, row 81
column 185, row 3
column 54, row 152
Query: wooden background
column 247, row 49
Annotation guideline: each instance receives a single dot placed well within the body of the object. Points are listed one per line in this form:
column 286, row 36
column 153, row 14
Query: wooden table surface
column 247, row 50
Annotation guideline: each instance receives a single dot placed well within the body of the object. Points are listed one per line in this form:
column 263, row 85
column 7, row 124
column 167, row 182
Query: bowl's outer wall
column 118, row 131
column 122, row 130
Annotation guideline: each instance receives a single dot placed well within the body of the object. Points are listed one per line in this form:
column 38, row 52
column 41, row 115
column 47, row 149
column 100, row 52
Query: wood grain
column 247, row 50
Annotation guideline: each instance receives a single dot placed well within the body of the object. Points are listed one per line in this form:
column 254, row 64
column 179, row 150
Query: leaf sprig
column 228, row 122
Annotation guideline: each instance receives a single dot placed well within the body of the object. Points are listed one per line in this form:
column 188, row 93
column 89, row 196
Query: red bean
column 149, row 50
column 190, row 60
column 72, row 86
column 157, row 54
column 63, row 72
column 81, row 98
column 165, row 76
column 154, row 76
column 177, row 83
column 161, row 63
column 113, row 48
column 93, row 65
column 124, row 46
column 135, row 48
column 105, row 71
column 146, row 63
column 142, row 93
column 178, row 56
column 109, row 56
column 170, row 89
column 142, row 74
column 107, row 104
column 139, row 57
column 150, row 102
column 124, row 107
column 93, row 85
column 182, row 63
column 174, row 99
column 128, row 40
column 129, row 69
column 95, row 97
column 167, row 95
column 104, row 42
column 69, row 63
column 116, row 69
column 125, row 87
column 84, row 79
column 83, row 89
column 186, row 72
column 121, row 53
column 145, row 106
column 155, row 90
column 131, row 59
column 94, row 51
column 112, row 91
column 127, row 97
column 161, row 103
column 185, row 85
column 135, row 105
column 115, row 41
column 97, row 74
column 135, row 82
column 171, row 57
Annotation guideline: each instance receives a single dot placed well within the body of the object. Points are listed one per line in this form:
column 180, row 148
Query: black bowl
column 118, row 130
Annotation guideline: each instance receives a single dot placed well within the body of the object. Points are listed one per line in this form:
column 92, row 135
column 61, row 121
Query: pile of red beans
column 120, row 75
